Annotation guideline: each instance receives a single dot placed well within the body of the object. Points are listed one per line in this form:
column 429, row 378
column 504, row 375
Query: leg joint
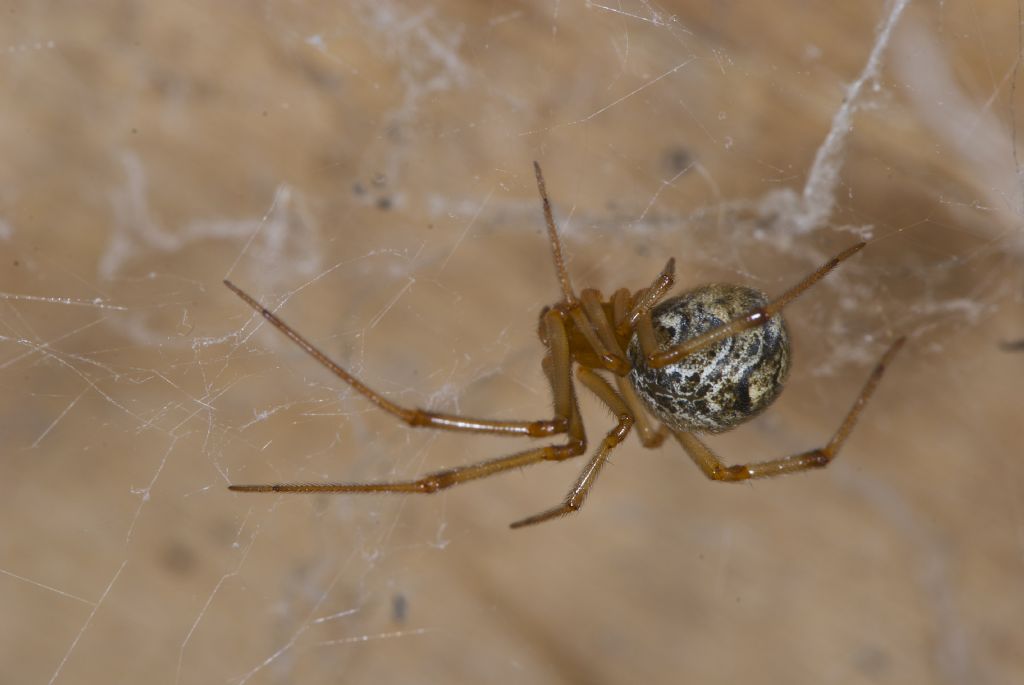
column 729, row 474
column 573, row 448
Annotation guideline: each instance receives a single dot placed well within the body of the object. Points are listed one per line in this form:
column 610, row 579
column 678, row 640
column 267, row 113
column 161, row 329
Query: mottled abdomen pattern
column 720, row 386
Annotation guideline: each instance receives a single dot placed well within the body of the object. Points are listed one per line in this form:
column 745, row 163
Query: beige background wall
column 366, row 167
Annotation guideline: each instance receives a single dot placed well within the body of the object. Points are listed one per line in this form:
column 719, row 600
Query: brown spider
column 704, row 361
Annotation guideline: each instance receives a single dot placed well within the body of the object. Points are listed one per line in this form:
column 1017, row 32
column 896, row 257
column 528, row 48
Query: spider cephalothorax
column 702, row 362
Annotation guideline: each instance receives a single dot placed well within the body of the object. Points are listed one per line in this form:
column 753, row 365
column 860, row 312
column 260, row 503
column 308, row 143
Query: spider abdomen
column 720, row 386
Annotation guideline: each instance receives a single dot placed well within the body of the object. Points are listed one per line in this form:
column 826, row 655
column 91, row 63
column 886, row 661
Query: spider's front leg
column 417, row 418
column 657, row 358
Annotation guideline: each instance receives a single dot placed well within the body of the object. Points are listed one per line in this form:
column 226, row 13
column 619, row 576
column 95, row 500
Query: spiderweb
column 365, row 170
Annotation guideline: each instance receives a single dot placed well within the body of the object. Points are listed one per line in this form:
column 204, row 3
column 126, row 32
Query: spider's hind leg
column 714, row 469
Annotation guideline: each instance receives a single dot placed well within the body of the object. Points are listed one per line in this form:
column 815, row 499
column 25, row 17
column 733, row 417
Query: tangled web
column 365, row 170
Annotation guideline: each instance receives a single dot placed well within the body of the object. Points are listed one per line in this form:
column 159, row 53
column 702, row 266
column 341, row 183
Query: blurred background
column 365, row 168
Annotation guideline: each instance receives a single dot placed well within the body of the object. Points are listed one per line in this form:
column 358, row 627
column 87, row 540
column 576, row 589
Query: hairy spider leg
column 587, row 311
column 557, row 365
column 657, row 359
column 414, row 417
column 591, row 321
column 604, row 325
column 714, row 469
column 646, row 299
column 556, row 245
column 574, row 500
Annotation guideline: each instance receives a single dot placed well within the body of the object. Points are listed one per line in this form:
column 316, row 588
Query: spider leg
column 437, row 480
column 574, row 500
column 650, row 437
column 413, row 417
column 600, row 324
column 593, row 323
column 557, row 366
column 556, row 245
column 620, row 309
column 649, row 297
column 714, row 469
column 658, row 359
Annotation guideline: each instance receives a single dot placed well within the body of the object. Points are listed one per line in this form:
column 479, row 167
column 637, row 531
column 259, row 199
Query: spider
column 704, row 361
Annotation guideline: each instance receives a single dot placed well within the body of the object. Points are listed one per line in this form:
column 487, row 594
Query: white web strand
column 819, row 195
column 974, row 132
column 44, row 586
column 213, row 593
column 88, row 620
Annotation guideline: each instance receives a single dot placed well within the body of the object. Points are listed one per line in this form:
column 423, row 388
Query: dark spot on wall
column 677, row 160
column 872, row 661
column 178, row 558
column 399, row 608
